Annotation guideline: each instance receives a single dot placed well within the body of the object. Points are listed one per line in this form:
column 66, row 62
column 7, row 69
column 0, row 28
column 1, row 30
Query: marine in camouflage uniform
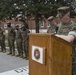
column 4, row 45
column 19, row 41
column 65, row 29
column 25, row 42
column 53, row 27
column 11, row 39
column 69, row 29
column 1, row 40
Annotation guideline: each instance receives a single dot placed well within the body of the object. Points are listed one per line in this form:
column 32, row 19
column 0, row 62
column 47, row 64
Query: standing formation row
column 18, row 35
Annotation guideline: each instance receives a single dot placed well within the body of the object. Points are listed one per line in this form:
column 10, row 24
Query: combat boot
column 21, row 55
column 24, row 57
column 18, row 55
column 27, row 58
column 4, row 51
column 13, row 53
column 1, row 51
column 9, row 53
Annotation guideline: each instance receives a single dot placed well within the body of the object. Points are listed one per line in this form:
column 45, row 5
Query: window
column 41, row 23
column 48, row 24
column 13, row 25
column 5, row 25
column 19, row 25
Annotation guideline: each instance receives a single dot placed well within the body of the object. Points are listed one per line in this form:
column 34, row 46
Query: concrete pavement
column 8, row 62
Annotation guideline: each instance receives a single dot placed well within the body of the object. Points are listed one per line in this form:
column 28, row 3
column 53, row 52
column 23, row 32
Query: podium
column 49, row 55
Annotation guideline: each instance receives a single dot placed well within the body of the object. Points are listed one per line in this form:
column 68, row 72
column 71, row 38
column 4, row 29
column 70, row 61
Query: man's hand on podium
column 69, row 38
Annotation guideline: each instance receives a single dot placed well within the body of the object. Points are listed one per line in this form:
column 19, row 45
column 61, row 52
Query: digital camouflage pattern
column 64, row 29
column 1, row 39
column 25, row 43
column 51, row 29
column 11, row 40
column 19, row 42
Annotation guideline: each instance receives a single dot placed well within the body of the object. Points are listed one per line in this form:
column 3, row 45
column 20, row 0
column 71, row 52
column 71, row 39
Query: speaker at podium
column 49, row 55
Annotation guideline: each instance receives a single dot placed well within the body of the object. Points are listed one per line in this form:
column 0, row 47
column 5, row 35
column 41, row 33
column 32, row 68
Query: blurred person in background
column 53, row 28
column 25, row 41
column 19, row 41
column 2, row 39
column 11, row 39
column 67, row 31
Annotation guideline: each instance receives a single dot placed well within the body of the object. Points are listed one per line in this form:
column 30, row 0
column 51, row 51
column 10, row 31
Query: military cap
column 17, row 25
column 50, row 18
column 62, row 11
column 57, row 15
column 22, row 26
column 8, row 22
column 63, row 8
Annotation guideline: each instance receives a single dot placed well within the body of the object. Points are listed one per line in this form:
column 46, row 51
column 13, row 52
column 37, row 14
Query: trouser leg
column 26, row 49
column 19, row 46
column 1, row 42
column 4, row 47
column 74, row 60
column 13, row 48
column 10, row 47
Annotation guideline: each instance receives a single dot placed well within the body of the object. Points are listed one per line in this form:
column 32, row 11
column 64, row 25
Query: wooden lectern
column 49, row 55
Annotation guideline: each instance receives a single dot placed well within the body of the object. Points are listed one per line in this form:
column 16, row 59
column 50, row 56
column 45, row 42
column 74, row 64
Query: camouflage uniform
column 25, row 32
column 4, row 43
column 1, row 40
column 64, row 30
column 11, row 40
column 19, row 41
column 52, row 28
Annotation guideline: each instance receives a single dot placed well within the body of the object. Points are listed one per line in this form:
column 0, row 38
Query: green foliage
column 73, row 9
column 43, row 9
column 38, row 8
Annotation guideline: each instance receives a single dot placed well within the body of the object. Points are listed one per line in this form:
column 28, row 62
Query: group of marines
column 17, row 39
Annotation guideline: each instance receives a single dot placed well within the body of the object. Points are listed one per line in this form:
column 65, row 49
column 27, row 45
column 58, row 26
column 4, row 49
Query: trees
column 73, row 9
column 40, row 9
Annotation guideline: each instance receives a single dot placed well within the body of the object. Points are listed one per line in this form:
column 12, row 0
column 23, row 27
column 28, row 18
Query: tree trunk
column 37, row 24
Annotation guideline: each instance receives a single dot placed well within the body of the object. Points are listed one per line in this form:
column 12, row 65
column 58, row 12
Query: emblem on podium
column 38, row 54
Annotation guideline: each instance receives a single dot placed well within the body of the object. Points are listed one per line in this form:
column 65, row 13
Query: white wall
column 40, row 30
column 33, row 31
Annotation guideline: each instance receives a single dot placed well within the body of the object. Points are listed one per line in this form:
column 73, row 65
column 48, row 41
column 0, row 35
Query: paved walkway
column 8, row 62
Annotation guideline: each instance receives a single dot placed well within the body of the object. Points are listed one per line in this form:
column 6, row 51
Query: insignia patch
column 37, row 54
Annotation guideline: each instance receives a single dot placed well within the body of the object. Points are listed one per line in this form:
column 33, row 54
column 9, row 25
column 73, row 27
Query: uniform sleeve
column 72, row 33
column 3, row 31
column 20, row 32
